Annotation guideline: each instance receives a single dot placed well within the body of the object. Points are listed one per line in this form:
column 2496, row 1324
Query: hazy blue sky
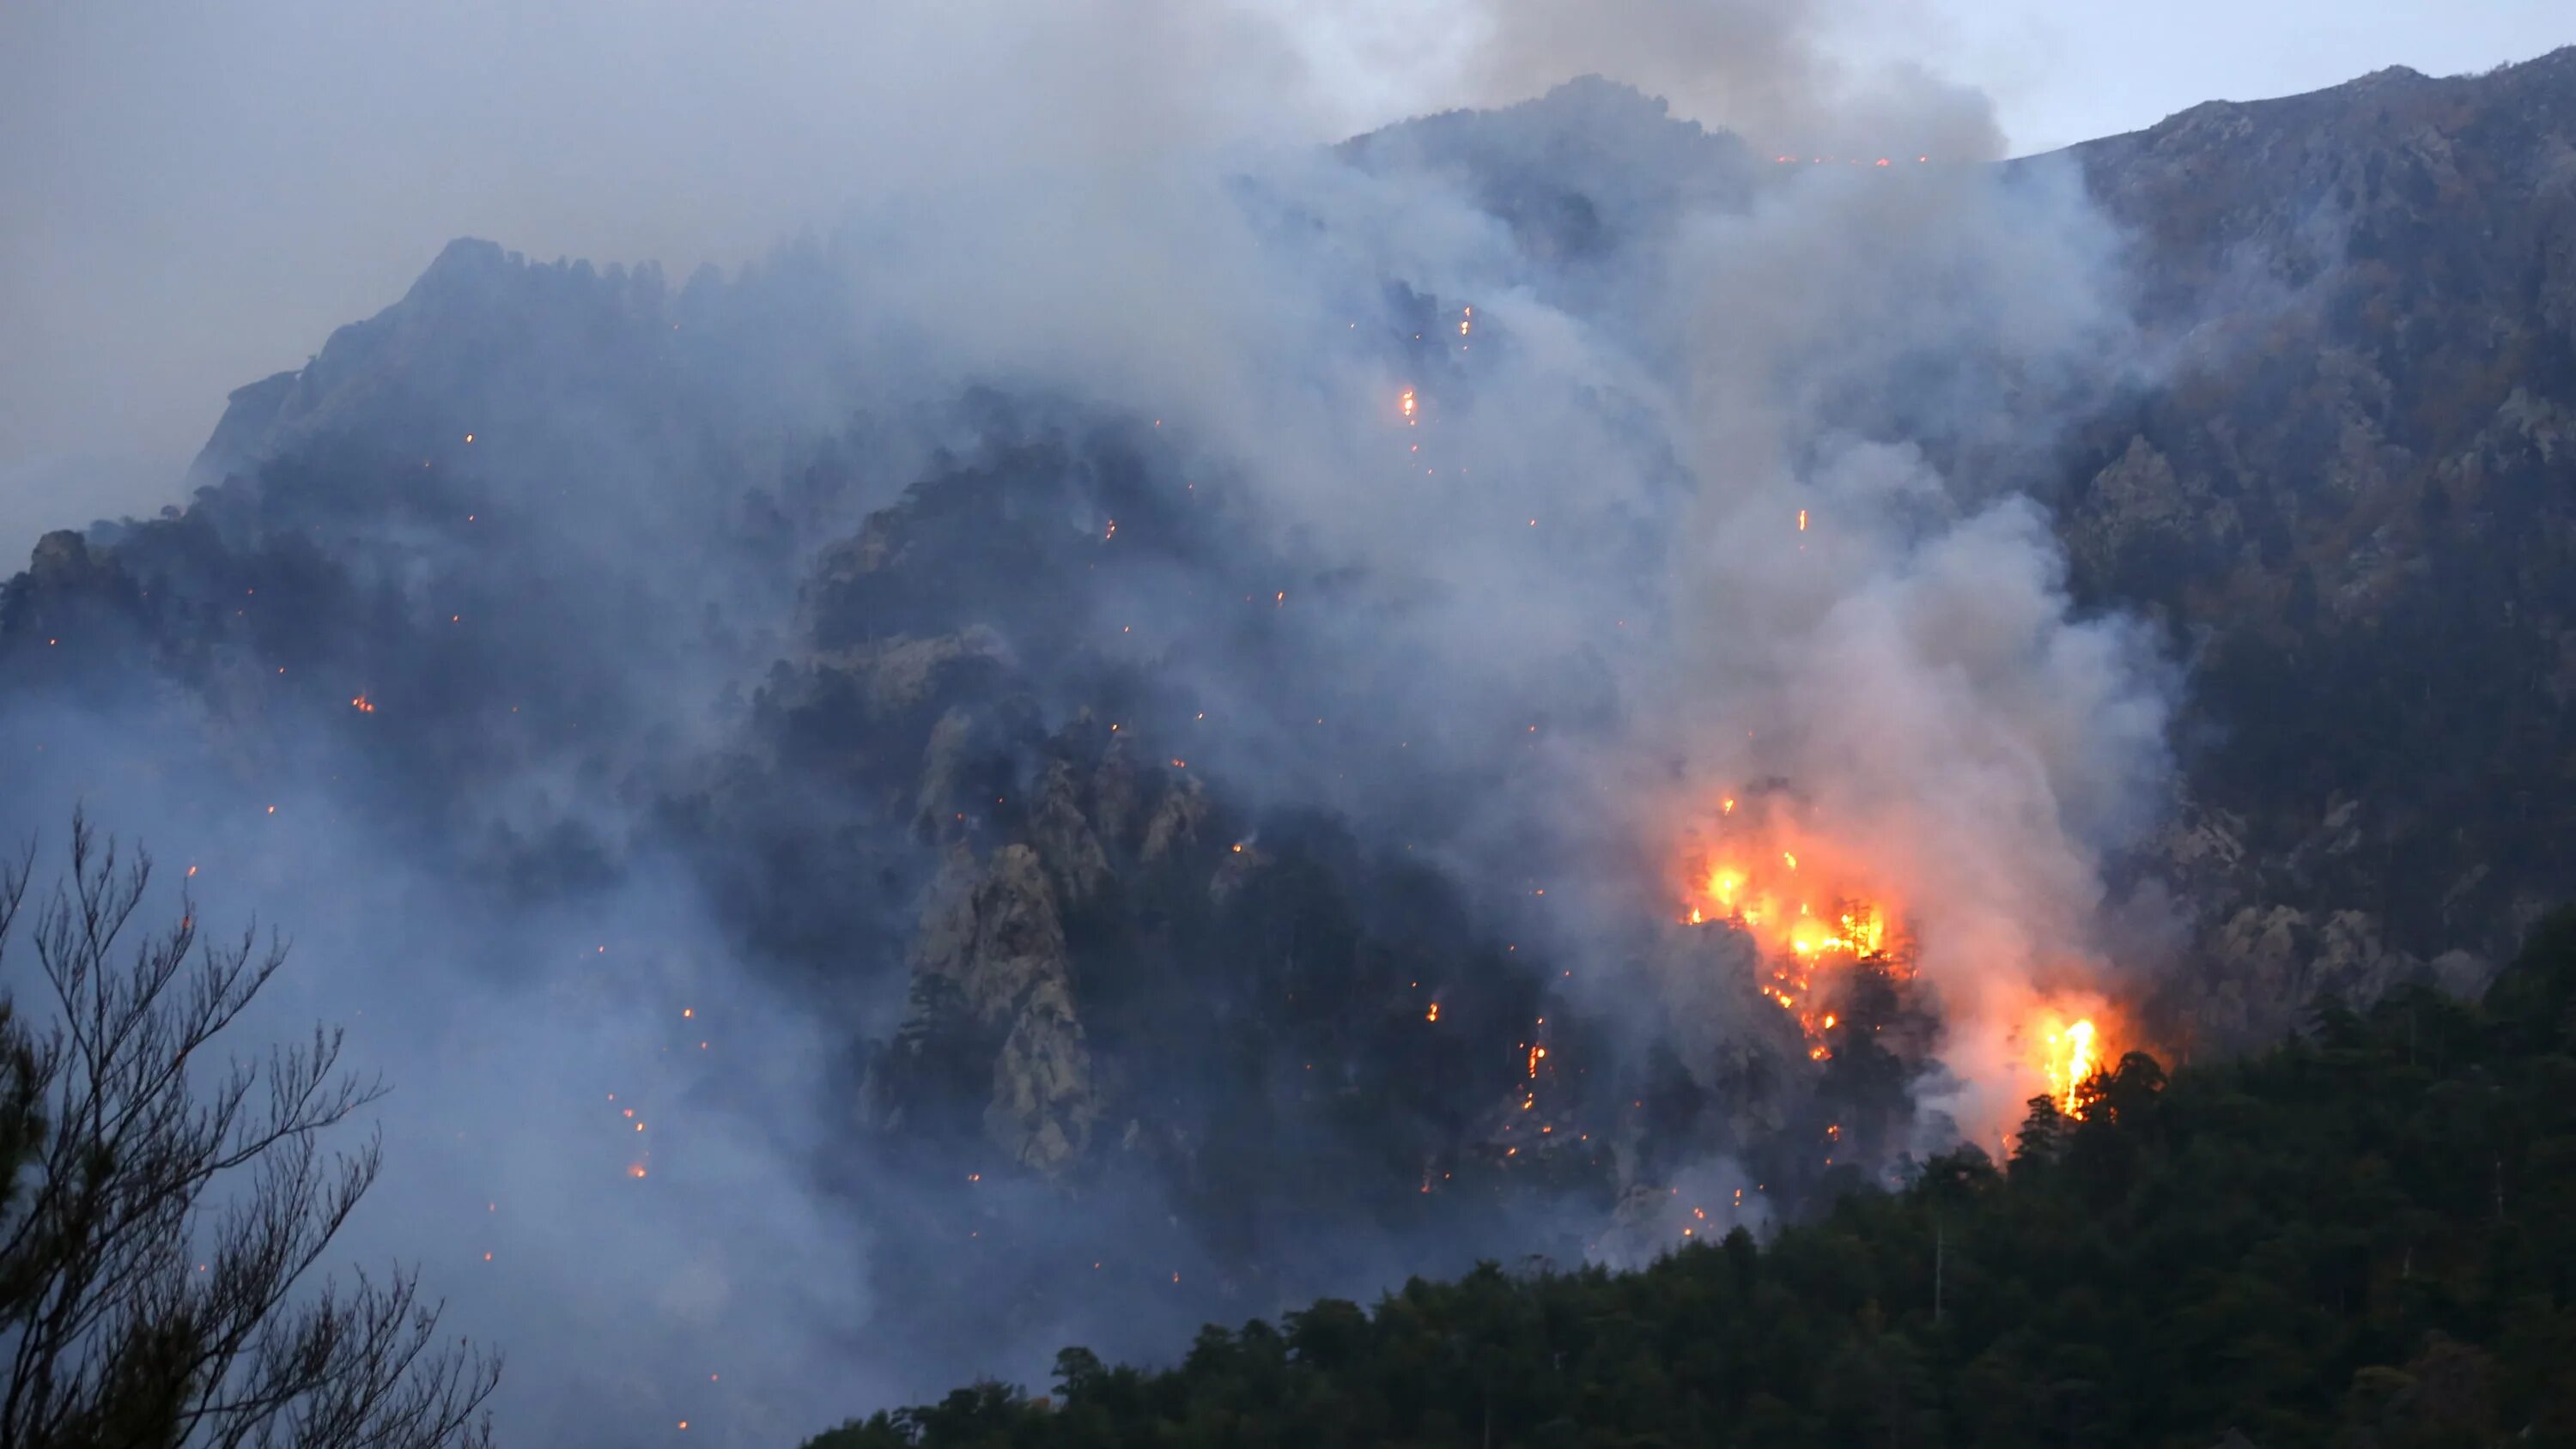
column 196, row 194
column 2066, row 70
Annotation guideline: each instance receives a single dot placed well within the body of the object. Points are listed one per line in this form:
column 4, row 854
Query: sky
column 198, row 195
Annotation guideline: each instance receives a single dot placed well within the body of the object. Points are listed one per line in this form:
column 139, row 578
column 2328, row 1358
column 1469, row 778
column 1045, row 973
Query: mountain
column 973, row 701
column 2346, row 500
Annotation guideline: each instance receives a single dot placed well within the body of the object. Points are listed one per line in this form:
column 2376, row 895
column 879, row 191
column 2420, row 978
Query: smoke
column 718, row 1287
column 1507, row 489
column 1895, row 642
column 1770, row 72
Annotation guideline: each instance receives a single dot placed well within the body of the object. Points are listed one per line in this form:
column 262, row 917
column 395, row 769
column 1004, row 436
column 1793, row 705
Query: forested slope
column 2364, row 1237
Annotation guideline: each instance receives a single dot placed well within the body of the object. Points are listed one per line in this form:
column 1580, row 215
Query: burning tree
column 159, row 1225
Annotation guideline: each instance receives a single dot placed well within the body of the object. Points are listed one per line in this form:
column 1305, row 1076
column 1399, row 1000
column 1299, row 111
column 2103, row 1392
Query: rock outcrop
column 994, row 931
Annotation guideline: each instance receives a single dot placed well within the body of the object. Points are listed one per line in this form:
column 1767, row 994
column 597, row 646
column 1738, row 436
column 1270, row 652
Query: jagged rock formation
column 994, row 937
column 991, row 947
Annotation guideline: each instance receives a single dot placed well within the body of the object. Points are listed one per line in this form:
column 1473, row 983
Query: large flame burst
column 1811, row 910
column 2071, row 1043
column 1815, row 911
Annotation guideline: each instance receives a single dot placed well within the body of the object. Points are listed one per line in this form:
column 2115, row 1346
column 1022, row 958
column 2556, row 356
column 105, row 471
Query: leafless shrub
column 158, row 1228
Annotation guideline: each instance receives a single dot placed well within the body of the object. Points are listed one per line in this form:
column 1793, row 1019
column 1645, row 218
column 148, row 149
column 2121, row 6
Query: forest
column 2364, row 1236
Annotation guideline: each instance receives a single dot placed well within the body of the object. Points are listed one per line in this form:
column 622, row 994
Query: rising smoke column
column 1722, row 500
column 1642, row 493
column 1718, row 545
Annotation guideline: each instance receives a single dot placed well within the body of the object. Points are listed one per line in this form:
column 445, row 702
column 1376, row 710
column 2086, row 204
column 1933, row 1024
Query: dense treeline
column 2364, row 1237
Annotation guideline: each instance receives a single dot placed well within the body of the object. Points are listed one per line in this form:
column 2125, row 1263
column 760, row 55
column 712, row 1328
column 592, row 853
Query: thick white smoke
column 1681, row 480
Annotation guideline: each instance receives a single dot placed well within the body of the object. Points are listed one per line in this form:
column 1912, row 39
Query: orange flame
column 2074, row 1055
column 1807, row 908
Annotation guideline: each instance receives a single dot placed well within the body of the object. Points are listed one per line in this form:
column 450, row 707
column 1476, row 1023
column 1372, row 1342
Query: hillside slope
column 2348, row 499
column 2361, row 1240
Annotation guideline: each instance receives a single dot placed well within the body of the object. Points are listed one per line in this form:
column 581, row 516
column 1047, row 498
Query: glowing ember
column 1406, row 402
column 1433, row 1014
column 361, row 705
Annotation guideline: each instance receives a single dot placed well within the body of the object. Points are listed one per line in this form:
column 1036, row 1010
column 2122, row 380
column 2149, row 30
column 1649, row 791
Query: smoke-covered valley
column 1137, row 732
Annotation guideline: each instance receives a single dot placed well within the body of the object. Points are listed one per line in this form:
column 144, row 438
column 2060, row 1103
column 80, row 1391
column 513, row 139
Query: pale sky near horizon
column 194, row 200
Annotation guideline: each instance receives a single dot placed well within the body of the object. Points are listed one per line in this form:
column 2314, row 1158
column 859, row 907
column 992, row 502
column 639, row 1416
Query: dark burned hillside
column 1266, row 1053
column 1312, row 1051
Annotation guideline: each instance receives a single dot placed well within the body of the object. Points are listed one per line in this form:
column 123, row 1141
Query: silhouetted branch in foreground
column 159, row 1226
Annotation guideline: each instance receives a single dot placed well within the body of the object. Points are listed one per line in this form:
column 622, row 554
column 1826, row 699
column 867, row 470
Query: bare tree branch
column 157, row 1237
